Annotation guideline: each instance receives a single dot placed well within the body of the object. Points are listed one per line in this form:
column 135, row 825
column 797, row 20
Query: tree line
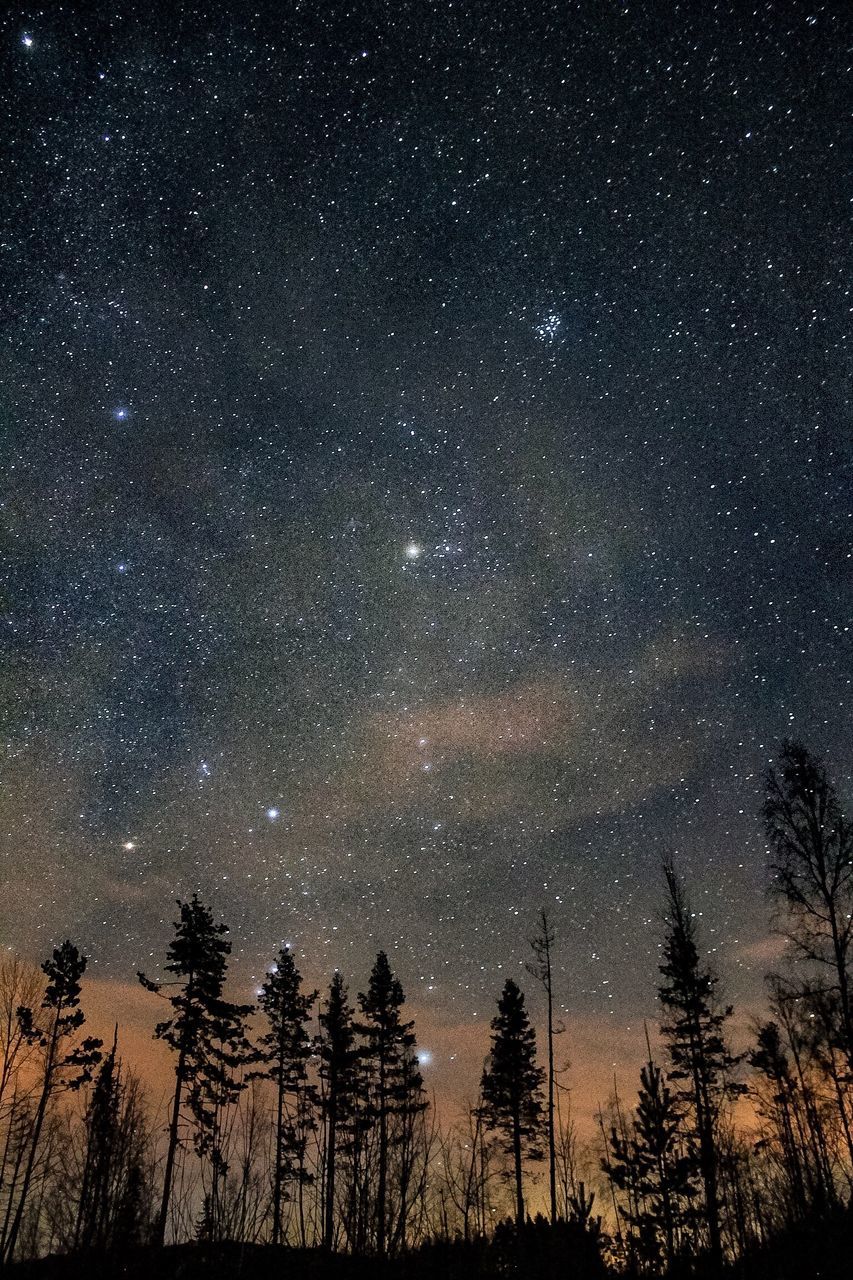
column 304, row 1120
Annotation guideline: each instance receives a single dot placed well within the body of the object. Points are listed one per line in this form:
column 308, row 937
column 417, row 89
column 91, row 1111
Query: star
column 272, row 813
column 120, row 415
column 413, row 551
column 27, row 41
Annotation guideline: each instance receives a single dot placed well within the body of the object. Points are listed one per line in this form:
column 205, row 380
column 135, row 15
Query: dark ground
column 821, row 1250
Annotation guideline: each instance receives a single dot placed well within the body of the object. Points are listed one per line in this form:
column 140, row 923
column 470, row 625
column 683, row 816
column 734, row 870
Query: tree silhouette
column 285, row 1050
column 66, row 1063
column 511, row 1086
column 812, row 873
column 393, row 1083
column 699, row 1056
column 336, row 1050
column 205, row 1031
column 541, row 945
column 102, row 1140
column 653, row 1163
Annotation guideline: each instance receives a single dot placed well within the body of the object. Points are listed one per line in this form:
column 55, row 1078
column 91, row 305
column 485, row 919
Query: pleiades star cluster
column 426, row 479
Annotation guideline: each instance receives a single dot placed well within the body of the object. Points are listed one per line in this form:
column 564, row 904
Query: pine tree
column 338, row 1074
column 67, row 1061
column 285, row 1050
column 112, row 1207
column 653, row 1163
column 205, row 1031
column 393, row 1083
column 101, row 1125
column 699, row 1056
column 511, row 1087
column 541, row 945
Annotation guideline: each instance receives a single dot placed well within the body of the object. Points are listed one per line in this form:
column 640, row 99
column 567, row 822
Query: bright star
column 424, row 1057
column 122, row 566
column 413, row 550
column 27, row 42
column 129, row 845
column 120, row 414
column 272, row 813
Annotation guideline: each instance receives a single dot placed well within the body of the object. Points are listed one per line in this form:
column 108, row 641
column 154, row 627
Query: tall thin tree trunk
column 162, row 1218
column 383, row 1175
column 708, row 1167
column 49, row 1066
column 276, row 1186
column 331, row 1156
column 10, row 1203
column 516, row 1153
column 552, row 1151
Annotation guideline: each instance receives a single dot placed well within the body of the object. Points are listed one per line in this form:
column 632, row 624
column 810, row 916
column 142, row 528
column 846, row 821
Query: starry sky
column 426, row 479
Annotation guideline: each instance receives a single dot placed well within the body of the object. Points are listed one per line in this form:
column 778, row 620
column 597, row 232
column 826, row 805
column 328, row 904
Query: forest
column 299, row 1138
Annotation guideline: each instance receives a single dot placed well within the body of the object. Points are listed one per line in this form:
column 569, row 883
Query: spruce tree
column 654, row 1164
column 67, row 1062
column 285, row 1050
column 541, row 946
column 700, row 1060
column 338, row 1057
column 205, row 1031
column 511, row 1087
column 101, row 1126
column 394, row 1085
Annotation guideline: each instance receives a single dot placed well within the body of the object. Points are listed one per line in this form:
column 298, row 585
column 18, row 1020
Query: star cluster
column 427, row 476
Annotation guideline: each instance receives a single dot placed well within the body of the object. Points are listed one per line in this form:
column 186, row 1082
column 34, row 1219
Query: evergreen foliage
column 206, row 1031
column 693, row 1029
column 284, row 1050
column 657, row 1168
column 338, row 1071
column 392, row 1083
column 67, row 1062
column 511, row 1086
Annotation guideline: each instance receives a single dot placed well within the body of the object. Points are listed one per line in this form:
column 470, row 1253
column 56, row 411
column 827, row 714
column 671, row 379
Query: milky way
column 427, row 485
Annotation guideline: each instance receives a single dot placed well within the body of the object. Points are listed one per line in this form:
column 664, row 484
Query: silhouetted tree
column 205, row 1031
column 542, row 944
column 812, row 873
column 810, row 1109
column 511, row 1086
column 699, row 1056
column 777, row 1104
column 393, row 1083
column 101, row 1125
column 338, row 1059
column 285, row 1050
column 655, row 1165
column 112, row 1206
column 66, row 1061
column 21, row 985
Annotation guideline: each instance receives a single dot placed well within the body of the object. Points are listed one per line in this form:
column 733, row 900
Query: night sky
column 426, row 479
